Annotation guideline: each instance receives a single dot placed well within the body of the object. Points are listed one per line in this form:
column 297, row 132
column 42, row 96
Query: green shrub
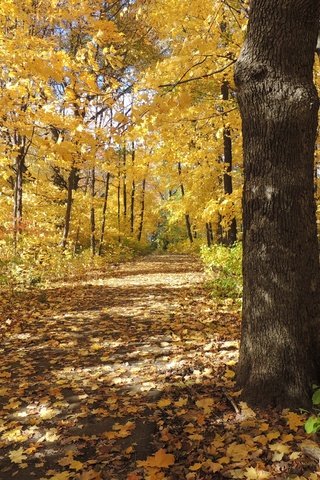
column 224, row 268
column 312, row 425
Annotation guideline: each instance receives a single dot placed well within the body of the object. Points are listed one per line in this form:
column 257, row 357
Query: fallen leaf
column 252, row 473
column 294, row 420
column 17, row 456
column 164, row 402
column 160, row 459
column 206, row 404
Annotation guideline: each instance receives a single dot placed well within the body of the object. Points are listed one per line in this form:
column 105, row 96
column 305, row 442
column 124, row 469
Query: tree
column 279, row 353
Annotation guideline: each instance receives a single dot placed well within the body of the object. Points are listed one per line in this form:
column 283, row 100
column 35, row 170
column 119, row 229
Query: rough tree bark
column 279, row 353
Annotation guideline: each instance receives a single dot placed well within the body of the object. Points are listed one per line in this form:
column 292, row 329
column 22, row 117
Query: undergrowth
column 223, row 266
column 34, row 265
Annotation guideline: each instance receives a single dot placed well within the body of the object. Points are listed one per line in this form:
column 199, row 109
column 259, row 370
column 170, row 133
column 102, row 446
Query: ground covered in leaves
column 128, row 374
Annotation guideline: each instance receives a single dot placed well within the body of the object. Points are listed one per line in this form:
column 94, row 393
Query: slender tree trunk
column 142, row 209
column 92, row 212
column 230, row 236
column 104, row 213
column 76, row 246
column 208, row 234
column 119, row 204
column 219, row 232
column 18, row 192
column 133, row 192
column 279, row 354
column 67, row 221
column 186, row 216
column 124, row 183
column 211, row 232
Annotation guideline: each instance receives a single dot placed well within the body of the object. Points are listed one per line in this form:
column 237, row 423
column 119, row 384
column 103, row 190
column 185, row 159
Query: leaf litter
column 128, row 374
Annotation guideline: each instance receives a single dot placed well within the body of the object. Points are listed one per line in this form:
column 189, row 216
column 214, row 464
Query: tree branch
column 206, row 75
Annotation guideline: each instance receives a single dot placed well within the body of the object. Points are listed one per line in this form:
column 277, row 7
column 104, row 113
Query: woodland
column 159, row 252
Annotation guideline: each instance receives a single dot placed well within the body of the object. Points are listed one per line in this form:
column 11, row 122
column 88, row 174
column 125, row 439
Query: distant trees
column 279, row 355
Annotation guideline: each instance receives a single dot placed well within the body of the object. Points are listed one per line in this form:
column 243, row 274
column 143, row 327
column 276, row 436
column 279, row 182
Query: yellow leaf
column 272, row 435
column 264, row 427
column 294, row 455
column 206, row 404
column 160, row 459
column 123, row 430
column 213, row 466
column 255, row 474
column 238, row 452
column 164, row 402
column 17, row 456
column 76, row 465
column 279, row 447
column 294, row 420
column 229, row 374
column 91, row 475
column 246, row 411
column 47, row 413
column 195, row 467
column 279, row 450
column 181, row 402
column 196, row 437
column 61, row 476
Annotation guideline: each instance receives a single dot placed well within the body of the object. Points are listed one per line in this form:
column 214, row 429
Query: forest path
column 99, row 374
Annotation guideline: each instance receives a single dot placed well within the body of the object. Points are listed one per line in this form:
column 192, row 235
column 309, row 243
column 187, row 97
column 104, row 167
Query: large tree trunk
column 279, row 104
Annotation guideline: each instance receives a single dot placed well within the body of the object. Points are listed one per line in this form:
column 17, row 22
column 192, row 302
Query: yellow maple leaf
column 273, row 435
column 294, row 420
column 160, row 459
column 196, row 436
column 246, row 411
column 264, row 427
column 238, row 452
column 205, row 403
column 255, row 474
column 181, row 402
column 213, row 466
column 164, row 402
column 123, row 430
column 47, row 413
column 279, row 450
column 76, row 465
column 17, row 456
column 61, row 476
column 195, row 467
column 229, row 373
